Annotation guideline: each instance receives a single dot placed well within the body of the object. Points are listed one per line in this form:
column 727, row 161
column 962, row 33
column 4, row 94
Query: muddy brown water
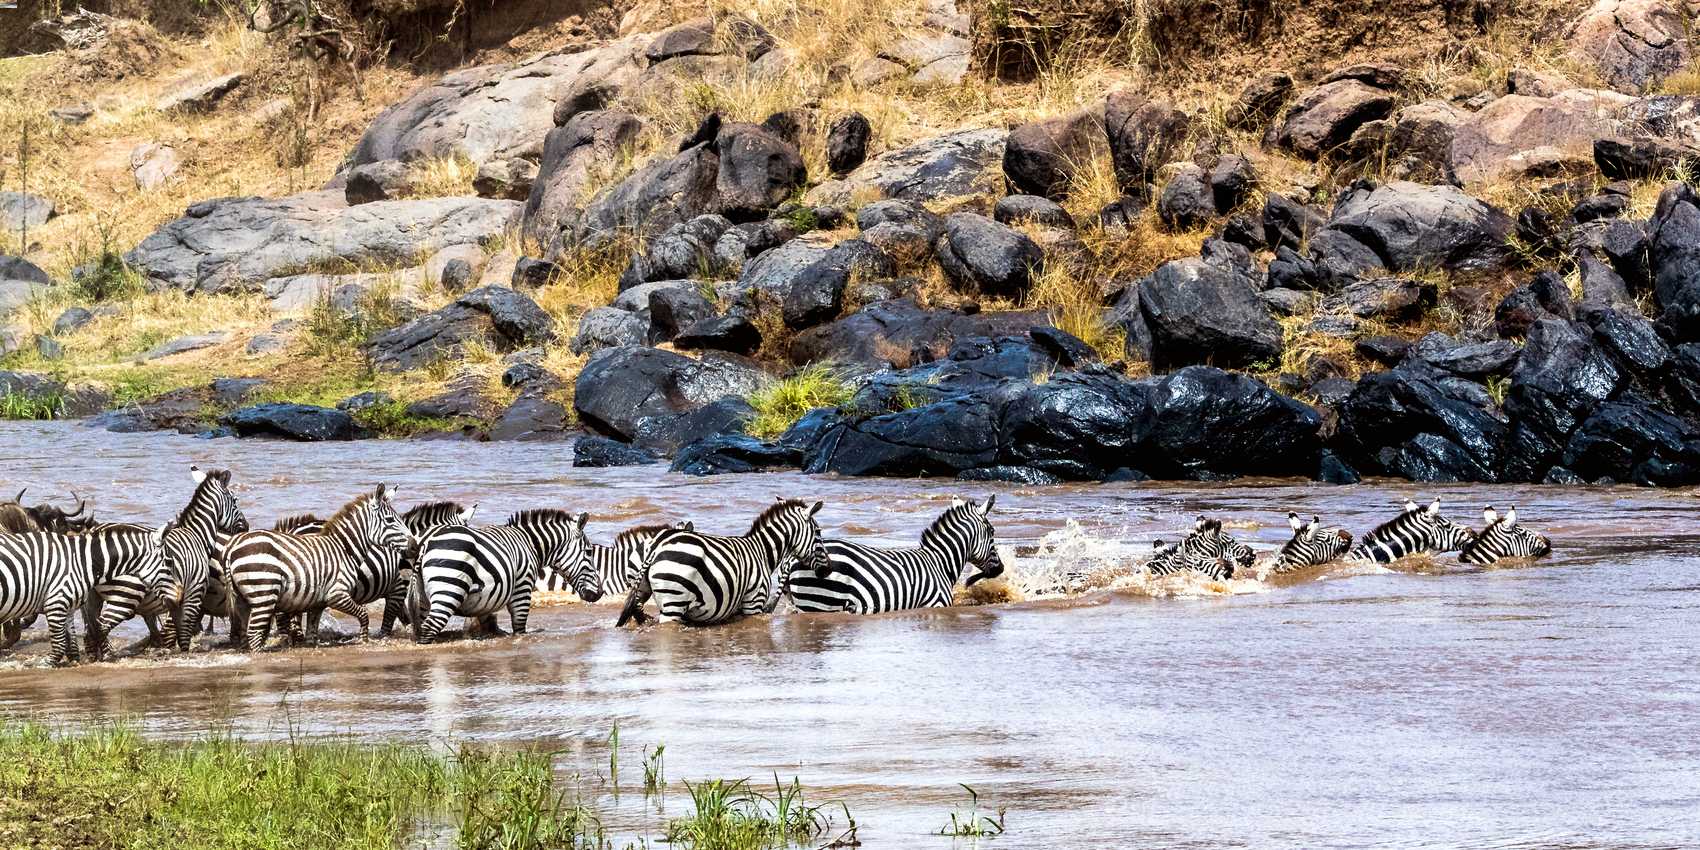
column 1547, row 705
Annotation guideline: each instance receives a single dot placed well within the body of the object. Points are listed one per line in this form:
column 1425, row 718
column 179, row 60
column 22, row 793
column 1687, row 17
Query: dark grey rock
column 608, row 327
column 292, row 421
column 847, row 143
column 1031, row 209
column 983, row 256
column 384, row 180
column 603, row 452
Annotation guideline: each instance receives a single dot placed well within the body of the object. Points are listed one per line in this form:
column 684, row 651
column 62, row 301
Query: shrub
column 781, row 403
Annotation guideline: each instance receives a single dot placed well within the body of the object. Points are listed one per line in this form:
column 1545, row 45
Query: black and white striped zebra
column 51, row 575
column 474, row 572
column 616, row 566
column 704, row 578
column 1312, row 545
column 1417, row 530
column 1206, row 549
column 216, row 603
column 420, row 520
column 867, row 580
column 344, row 567
column 171, row 602
column 1504, row 538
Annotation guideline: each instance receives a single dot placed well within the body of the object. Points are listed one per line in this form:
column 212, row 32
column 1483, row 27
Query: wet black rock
column 1406, row 423
column 602, row 451
column 1473, row 360
column 621, row 388
column 665, row 435
column 1011, row 475
column 292, row 421
column 733, row 453
column 1206, row 309
column 1561, row 376
column 1635, row 443
column 1203, row 423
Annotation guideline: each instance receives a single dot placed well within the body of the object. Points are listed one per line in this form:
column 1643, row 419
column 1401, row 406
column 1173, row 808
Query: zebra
column 1504, row 538
column 178, row 591
column 705, row 579
column 865, row 580
column 343, row 567
column 48, row 574
column 1416, row 531
column 616, row 566
column 216, row 602
column 1206, row 549
column 1312, row 545
column 475, row 572
column 17, row 519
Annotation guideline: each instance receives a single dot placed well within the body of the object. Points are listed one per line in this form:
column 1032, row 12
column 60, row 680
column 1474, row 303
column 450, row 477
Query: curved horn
column 20, row 497
column 81, row 504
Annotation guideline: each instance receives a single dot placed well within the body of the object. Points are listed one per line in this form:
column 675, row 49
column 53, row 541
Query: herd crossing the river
column 432, row 563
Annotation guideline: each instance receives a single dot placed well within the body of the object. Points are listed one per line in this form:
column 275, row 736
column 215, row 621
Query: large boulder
column 1408, row 226
column 492, row 316
column 1203, row 423
column 237, row 244
column 621, row 388
column 1493, row 142
column 758, row 170
column 1633, row 44
column 574, row 155
column 683, row 250
column 292, row 421
column 1325, row 117
column 1206, row 309
column 1632, row 442
column 942, row 438
column 963, row 163
column 1561, row 377
column 1080, row 426
column 900, row 332
column 1674, row 254
column 1144, row 135
column 982, row 256
column 1409, row 423
column 1044, row 157
column 816, row 293
column 501, row 111
column 608, row 327
column 593, row 451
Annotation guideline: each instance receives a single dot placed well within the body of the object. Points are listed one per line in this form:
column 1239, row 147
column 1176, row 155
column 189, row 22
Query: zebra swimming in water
column 1312, row 545
column 344, row 567
column 475, row 572
column 1206, row 549
column 867, row 580
column 704, row 579
column 1504, row 538
column 1416, row 531
column 48, row 574
column 616, row 566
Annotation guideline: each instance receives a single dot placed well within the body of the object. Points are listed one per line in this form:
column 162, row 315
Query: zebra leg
column 158, row 638
column 188, row 620
column 59, row 634
column 638, row 595
column 395, row 608
column 257, row 623
column 488, row 627
column 306, row 626
column 519, row 608
column 94, row 642
column 346, row 605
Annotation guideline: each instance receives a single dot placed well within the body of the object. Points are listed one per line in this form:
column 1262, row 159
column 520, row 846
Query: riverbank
column 108, row 786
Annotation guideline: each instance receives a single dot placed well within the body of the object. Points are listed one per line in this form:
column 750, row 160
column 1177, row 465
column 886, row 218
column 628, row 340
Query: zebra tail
column 639, row 594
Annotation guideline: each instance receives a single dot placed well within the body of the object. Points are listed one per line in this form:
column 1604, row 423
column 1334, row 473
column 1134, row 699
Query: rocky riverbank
column 1358, row 268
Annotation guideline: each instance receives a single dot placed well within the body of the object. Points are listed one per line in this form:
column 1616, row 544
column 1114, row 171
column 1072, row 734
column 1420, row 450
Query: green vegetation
column 391, row 419
column 333, row 327
column 19, row 405
column 734, row 816
column 972, row 824
column 781, row 403
column 108, row 787
column 654, row 770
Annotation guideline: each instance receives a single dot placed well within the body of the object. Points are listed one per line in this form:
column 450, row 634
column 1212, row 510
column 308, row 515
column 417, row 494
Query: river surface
column 1545, row 705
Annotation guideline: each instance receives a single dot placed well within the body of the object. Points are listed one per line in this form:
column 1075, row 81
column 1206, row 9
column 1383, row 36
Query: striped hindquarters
column 473, row 572
column 867, row 580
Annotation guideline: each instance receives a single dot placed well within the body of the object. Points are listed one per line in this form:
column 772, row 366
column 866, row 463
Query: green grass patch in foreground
column 732, row 815
column 110, row 788
column 781, row 403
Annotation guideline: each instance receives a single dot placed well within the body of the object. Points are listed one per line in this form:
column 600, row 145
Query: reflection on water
column 1552, row 705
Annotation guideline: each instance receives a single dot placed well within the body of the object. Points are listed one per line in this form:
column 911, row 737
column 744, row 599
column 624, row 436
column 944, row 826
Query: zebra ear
column 1198, row 524
column 1489, row 515
column 815, row 508
column 1511, row 517
column 582, row 518
column 467, row 513
column 1434, row 508
column 197, row 474
column 1294, row 521
column 987, row 508
column 1410, row 505
column 386, row 492
column 1157, row 545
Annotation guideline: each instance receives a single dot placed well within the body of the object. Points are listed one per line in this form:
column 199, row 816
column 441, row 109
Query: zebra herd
column 430, row 564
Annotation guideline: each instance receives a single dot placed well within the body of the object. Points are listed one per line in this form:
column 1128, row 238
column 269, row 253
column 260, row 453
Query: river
column 1547, row 705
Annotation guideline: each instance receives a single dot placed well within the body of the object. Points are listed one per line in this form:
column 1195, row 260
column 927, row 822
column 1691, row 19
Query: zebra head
column 983, row 546
column 375, row 521
column 212, row 490
column 1312, row 544
column 560, row 541
column 1504, row 538
column 1448, row 536
column 791, row 524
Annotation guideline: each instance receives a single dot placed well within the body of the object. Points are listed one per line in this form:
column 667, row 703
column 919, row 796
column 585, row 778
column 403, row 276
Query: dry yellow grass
column 442, row 177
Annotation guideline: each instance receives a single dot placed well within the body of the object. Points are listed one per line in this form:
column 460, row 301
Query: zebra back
column 1504, row 538
column 1172, row 558
column 42, row 572
column 866, row 580
column 1311, row 545
column 1415, row 531
column 706, row 578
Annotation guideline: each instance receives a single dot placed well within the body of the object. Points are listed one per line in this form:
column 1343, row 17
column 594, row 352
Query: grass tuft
column 782, row 402
column 731, row 815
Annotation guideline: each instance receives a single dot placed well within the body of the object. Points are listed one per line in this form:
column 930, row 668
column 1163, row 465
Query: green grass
column 108, row 787
column 332, row 330
column 732, row 815
column 391, row 419
column 972, row 824
column 781, row 403
column 15, row 405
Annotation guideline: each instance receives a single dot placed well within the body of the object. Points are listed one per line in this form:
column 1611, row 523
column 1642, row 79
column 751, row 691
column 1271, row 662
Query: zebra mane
column 221, row 476
column 951, row 512
column 343, row 513
column 543, row 516
column 1376, row 532
column 295, row 522
column 440, row 511
column 638, row 531
column 775, row 510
